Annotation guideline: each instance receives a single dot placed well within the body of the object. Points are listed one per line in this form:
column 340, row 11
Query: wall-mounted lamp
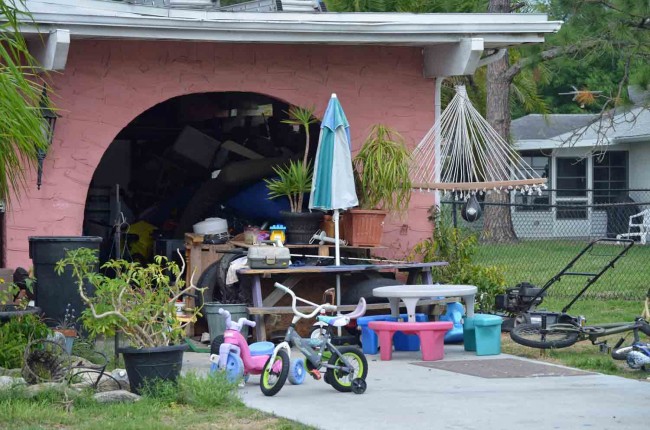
column 49, row 117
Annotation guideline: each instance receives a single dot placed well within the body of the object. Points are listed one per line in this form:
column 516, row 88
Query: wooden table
column 296, row 274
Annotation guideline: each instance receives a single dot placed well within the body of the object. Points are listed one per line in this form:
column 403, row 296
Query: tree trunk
column 497, row 225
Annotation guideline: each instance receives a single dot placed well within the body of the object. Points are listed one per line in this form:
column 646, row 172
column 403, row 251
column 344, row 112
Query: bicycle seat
column 336, row 321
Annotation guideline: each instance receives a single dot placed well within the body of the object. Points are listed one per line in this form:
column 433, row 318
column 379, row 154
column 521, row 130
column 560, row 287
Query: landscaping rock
column 116, row 397
column 10, row 372
column 34, row 390
column 106, row 383
column 9, row 381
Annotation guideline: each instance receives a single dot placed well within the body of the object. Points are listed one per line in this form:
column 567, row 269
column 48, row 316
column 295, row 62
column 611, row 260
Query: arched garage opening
column 186, row 159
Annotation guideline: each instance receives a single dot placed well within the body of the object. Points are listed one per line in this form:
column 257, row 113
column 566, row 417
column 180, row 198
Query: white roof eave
column 99, row 19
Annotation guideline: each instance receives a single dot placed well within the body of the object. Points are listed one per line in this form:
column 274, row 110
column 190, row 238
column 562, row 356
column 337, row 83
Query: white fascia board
column 460, row 58
column 98, row 19
column 51, row 51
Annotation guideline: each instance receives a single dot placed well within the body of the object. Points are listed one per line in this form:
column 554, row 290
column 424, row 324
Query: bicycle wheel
column 341, row 379
column 533, row 336
column 275, row 374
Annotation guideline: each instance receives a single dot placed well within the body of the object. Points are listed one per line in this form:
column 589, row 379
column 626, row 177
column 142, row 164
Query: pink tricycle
column 239, row 360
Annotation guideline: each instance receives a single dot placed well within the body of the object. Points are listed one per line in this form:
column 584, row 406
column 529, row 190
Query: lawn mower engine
column 520, row 299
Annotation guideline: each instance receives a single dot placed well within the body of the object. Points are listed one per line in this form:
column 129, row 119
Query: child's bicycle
column 347, row 368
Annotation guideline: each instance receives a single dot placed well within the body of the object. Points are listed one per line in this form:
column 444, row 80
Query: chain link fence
column 552, row 228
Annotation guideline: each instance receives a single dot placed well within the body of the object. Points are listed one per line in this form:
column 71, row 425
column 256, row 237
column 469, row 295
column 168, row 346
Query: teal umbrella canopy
column 333, row 180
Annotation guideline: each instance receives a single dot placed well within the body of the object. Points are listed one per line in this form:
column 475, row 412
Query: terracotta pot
column 328, row 226
column 67, row 332
column 363, row 227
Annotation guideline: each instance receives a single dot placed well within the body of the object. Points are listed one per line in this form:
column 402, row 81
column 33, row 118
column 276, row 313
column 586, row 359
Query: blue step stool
column 469, row 334
column 487, row 329
column 455, row 312
column 401, row 341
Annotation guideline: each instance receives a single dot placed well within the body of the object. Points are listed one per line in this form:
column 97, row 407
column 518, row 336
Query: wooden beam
column 479, row 186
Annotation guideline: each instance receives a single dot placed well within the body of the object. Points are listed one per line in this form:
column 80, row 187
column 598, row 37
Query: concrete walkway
column 403, row 395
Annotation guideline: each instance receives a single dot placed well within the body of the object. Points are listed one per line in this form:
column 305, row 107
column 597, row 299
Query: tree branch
column 547, row 55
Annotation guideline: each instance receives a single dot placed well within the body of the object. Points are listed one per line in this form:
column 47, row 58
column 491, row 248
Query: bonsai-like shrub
column 139, row 301
column 294, row 179
column 382, row 171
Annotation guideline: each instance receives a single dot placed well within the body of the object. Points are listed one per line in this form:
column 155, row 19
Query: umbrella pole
column 337, row 256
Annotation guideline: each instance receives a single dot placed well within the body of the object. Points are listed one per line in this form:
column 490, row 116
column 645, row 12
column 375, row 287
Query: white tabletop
column 422, row 291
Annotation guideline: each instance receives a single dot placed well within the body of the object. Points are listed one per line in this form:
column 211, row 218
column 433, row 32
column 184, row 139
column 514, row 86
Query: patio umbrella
column 332, row 186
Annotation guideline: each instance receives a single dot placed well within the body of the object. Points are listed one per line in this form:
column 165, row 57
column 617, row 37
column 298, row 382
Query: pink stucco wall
column 106, row 84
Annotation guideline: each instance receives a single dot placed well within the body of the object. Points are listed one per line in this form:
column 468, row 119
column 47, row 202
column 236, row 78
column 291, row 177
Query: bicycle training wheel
column 534, row 336
column 341, row 379
column 275, row 374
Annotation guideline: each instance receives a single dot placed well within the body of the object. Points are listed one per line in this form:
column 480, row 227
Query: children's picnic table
column 411, row 294
column 266, row 305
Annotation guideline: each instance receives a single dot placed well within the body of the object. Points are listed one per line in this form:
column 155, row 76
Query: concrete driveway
column 495, row 392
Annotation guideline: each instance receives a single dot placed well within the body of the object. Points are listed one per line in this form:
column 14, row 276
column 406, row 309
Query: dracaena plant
column 382, row 171
column 139, row 300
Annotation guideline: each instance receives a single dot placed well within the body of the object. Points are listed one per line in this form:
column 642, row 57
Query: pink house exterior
column 101, row 85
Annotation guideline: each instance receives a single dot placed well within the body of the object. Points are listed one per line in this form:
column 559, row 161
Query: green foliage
column 12, row 290
column 139, row 301
column 458, row 247
column 21, row 122
column 294, row 180
column 208, row 392
column 382, row 171
column 15, row 334
column 609, row 45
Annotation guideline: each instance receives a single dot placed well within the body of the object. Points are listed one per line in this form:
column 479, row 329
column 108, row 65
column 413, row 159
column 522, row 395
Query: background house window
column 540, row 164
column 571, row 178
column 610, row 176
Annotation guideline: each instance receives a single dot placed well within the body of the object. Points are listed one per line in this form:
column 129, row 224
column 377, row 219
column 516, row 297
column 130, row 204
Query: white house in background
column 586, row 165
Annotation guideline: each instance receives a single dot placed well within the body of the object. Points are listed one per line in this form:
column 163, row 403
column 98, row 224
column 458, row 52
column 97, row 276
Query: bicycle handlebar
column 239, row 324
column 318, row 309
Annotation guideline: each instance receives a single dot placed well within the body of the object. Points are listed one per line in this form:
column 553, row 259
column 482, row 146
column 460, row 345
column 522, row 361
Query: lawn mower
column 521, row 303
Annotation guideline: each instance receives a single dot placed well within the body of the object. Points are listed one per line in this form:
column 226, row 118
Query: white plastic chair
column 642, row 224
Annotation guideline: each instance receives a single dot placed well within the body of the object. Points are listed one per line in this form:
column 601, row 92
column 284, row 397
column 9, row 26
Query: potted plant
column 383, row 185
column 293, row 181
column 67, row 327
column 139, row 302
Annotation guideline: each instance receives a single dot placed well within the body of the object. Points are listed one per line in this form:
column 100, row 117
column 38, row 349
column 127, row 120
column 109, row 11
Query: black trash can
column 53, row 292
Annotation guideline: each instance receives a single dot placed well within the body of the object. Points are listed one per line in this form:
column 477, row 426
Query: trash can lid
column 483, row 320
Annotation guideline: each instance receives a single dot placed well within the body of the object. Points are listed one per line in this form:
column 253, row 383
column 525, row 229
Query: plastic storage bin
column 401, row 341
column 469, row 335
column 408, row 342
column 488, row 334
column 369, row 339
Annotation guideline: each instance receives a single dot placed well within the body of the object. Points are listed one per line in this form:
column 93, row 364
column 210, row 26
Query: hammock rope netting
column 474, row 158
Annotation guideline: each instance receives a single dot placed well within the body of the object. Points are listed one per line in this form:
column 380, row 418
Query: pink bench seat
column 431, row 334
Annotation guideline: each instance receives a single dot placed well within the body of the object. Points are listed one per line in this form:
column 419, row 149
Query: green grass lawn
column 617, row 296
column 196, row 403
column 539, row 260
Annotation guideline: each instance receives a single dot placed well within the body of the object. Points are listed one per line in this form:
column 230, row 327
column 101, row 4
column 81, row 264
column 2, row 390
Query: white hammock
column 474, row 158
